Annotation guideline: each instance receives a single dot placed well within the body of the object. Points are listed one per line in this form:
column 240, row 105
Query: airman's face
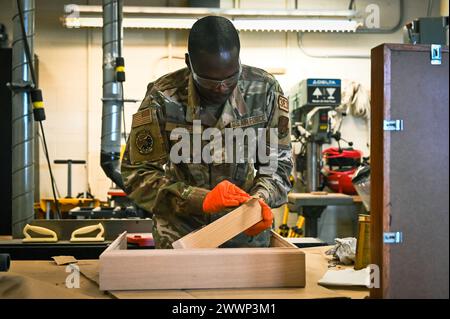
column 215, row 75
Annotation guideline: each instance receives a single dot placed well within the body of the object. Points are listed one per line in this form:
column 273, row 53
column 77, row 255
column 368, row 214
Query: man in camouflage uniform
column 189, row 195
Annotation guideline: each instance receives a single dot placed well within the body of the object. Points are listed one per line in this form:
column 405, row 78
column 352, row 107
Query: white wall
column 71, row 72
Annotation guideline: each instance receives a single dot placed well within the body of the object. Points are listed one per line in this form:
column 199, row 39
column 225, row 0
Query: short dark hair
column 213, row 34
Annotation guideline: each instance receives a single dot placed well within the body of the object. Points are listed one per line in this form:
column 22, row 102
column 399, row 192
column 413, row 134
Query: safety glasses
column 214, row 84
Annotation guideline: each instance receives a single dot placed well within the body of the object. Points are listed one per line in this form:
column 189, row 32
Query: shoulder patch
column 283, row 126
column 283, row 103
column 141, row 118
column 144, row 141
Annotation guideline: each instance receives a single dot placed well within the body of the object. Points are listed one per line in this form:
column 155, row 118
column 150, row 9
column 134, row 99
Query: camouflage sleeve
column 272, row 178
column 145, row 165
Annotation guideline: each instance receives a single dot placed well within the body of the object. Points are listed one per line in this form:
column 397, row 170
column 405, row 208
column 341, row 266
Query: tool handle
column 38, row 230
column 86, row 230
column 300, row 222
column 285, row 214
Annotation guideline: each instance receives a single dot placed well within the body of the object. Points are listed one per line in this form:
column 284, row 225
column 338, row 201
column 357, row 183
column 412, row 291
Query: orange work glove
column 265, row 223
column 224, row 195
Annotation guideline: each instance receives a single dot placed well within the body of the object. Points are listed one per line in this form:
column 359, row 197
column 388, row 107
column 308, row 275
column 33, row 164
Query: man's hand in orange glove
column 224, row 195
column 265, row 223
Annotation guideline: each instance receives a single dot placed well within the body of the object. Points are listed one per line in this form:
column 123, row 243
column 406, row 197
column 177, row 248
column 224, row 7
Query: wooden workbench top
column 298, row 200
column 43, row 279
column 302, row 196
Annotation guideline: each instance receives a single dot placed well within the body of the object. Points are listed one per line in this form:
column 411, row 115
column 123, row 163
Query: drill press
column 311, row 103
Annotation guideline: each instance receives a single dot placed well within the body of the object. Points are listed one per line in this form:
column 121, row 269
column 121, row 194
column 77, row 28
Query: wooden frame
column 281, row 265
column 425, row 224
column 223, row 229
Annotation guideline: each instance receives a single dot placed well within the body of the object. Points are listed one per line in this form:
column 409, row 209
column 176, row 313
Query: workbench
column 44, row 279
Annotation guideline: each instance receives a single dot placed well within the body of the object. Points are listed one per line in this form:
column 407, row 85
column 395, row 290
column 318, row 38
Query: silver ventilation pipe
column 112, row 91
column 22, row 122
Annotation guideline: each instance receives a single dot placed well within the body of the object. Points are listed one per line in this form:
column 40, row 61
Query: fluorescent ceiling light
column 294, row 25
column 216, row 11
column 136, row 23
column 244, row 20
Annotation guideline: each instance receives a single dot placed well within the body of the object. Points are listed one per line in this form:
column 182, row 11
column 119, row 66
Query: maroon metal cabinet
column 409, row 166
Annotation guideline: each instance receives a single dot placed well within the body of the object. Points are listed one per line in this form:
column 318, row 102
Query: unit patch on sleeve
column 283, row 126
column 144, row 142
column 283, row 103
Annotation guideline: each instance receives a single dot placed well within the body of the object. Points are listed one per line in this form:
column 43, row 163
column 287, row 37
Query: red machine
column 339, row 167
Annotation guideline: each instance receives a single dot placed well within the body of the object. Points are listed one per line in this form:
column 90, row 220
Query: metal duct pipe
column 112, row 92
column 22, row 123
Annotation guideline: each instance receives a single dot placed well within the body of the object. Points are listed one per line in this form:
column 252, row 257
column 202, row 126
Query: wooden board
column 223, row 229
column 122, row 269
column 409, row 180
column 315, row 269
column 277, row 240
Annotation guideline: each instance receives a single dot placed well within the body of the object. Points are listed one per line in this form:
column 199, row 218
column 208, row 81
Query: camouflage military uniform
column 174, row 192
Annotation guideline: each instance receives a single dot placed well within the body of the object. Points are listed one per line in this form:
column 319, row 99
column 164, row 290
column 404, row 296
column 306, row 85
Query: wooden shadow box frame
column 280, row 265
